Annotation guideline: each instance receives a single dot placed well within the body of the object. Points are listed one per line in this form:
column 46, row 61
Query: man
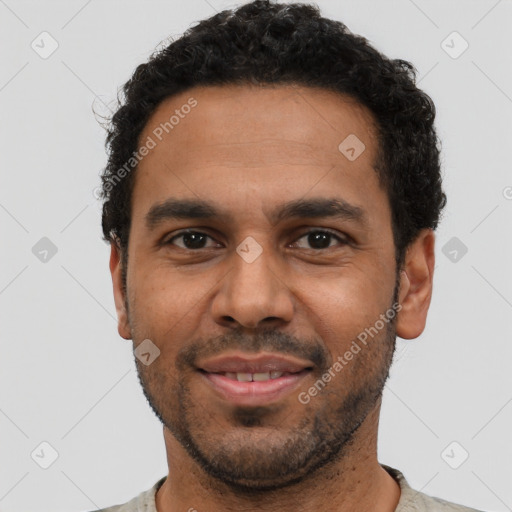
column 271, row 196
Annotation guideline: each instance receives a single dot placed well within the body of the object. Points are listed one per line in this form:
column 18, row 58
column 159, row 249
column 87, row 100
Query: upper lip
column 254, row 364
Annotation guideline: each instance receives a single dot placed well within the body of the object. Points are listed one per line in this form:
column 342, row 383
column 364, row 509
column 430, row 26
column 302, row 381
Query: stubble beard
column 247, row 460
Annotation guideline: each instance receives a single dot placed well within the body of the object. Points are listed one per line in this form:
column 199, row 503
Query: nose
column 253, row 295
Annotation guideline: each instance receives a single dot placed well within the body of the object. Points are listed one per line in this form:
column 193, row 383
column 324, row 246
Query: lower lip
column 254, row 393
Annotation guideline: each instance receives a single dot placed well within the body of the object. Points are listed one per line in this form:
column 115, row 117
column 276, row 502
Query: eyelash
column 343, row 241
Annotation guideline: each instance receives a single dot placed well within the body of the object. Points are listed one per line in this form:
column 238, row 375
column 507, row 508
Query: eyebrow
column 175, row 209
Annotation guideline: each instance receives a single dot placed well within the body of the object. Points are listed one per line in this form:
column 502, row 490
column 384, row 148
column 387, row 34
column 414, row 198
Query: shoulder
column 144, row 502
column 416, row 501
column 423, row 502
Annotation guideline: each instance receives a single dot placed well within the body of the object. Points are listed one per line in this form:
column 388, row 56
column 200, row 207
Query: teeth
column 248, row 377
column 261, row 376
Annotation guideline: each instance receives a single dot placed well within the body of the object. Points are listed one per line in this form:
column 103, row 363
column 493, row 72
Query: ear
column 416, row 281
column 123, row 325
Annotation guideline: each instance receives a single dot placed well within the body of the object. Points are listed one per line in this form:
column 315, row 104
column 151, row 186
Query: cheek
column 349, row 295
column 340, row 309
column 161, row 306
column 168, row 304
column 157, row 288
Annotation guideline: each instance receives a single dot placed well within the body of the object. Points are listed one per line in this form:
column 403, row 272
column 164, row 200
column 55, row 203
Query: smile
column 253, row 379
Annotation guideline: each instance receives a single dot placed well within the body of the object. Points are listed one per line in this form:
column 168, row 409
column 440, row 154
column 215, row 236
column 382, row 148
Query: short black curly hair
column 263, row 42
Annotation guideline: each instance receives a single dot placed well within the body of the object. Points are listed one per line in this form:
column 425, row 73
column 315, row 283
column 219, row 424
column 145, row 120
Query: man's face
column 317, row 283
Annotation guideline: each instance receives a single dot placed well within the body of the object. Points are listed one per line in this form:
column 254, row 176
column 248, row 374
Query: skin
column 248, row 149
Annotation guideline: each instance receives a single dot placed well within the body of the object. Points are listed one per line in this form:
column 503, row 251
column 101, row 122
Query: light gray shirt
column 410, row 500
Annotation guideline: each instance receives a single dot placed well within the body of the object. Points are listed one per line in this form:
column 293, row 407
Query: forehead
column 264, row 141
column 302, row 118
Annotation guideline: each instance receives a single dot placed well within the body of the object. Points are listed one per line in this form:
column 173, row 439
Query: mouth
column 256, row 381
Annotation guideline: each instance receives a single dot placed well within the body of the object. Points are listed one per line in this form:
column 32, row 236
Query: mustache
column 266, row 340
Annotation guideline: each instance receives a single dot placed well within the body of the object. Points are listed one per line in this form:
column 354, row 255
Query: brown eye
column 192, row 240
column 320, row 239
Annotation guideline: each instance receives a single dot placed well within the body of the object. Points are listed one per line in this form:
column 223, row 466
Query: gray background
column 69, row 380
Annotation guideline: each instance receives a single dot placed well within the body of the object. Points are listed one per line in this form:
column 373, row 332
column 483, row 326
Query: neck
column 355, row 482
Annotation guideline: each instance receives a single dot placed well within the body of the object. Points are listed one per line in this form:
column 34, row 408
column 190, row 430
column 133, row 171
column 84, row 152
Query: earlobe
column 416, row 281
column 123, row 325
